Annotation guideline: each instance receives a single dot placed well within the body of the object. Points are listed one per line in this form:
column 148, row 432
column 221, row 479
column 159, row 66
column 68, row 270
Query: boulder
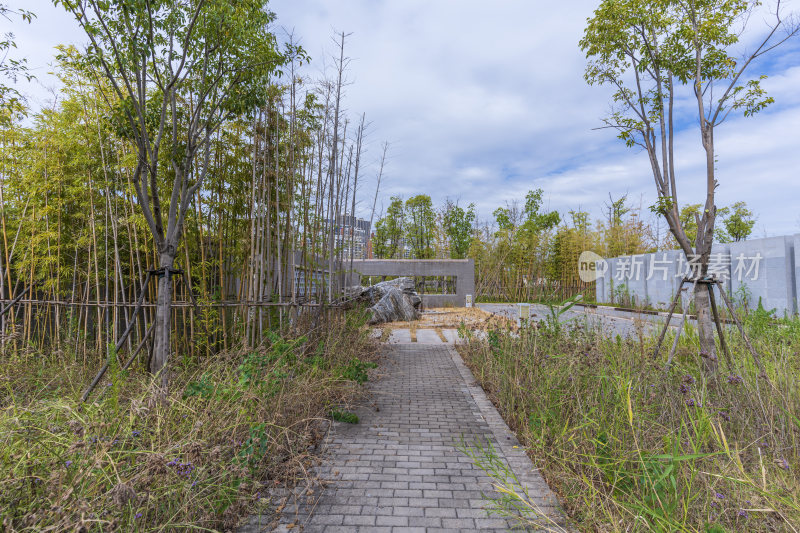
column 392, row 301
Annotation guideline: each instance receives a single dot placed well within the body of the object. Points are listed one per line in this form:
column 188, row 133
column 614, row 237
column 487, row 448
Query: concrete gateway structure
column 462, row 271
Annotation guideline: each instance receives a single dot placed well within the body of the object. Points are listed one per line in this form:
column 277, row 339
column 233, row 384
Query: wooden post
column 680, row 329
column 756, row 357
column 669, row 317
column 714, row 312
column 121, row 341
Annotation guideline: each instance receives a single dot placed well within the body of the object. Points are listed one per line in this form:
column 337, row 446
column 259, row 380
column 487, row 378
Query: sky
column 482, row 101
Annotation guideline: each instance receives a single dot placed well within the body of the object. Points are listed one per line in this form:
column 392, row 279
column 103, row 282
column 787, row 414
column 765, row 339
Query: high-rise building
column 354, row 231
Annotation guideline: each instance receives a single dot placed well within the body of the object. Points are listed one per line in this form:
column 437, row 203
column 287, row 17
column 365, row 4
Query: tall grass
column 631, row 446
column 233, row 428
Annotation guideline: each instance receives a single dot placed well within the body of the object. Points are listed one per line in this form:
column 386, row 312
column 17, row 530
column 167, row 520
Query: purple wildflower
column 136, row 433
column 688, row 379
column 185, row 469
column 784, row 463
column 719, row 496
column 138, row 516
column 685, row 389
column 742, row 513
column 68, row 463
column 690, row 402
column 735, row 379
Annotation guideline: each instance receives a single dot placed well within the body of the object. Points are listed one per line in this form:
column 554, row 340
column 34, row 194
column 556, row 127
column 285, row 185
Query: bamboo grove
column 257, row 241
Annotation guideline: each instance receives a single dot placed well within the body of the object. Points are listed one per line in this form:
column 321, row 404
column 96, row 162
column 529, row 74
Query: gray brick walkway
column 399, row 469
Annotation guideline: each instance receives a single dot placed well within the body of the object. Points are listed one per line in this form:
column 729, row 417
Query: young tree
column 420, row 226
column 389, row 230
column 649, row 50
column 739, row 223
column 458, row 227
column 179, row 70
column 536, row 220
column 580, row 220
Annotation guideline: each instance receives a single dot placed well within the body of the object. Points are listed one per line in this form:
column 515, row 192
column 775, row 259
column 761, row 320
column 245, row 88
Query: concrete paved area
column 423, row 336
column 400, row 468
column 428, row 336
column 610, row 321
column 400, row 336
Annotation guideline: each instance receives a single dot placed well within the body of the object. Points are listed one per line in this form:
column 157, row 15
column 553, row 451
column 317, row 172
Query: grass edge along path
column 629, row 446
column 233, row 429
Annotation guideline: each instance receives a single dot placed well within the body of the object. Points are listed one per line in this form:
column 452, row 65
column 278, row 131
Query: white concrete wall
column 769, row 268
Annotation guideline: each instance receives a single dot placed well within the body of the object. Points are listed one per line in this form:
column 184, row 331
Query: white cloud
column 483, row 101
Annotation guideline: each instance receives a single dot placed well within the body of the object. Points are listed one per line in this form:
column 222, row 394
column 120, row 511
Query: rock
column 392, row 301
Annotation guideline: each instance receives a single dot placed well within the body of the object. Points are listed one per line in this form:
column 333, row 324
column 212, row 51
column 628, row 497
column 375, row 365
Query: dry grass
column 629, row 446
column 232, row 430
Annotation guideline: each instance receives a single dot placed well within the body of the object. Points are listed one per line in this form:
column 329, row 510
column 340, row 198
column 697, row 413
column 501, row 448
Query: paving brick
column 400, row 468
column 359, row 520
column 392, row 521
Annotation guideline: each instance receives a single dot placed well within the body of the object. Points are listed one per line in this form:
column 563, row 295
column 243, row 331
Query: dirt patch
column 437, row 318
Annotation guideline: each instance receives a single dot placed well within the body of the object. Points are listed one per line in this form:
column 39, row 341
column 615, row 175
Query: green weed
column 629, row 446
column 340, row 415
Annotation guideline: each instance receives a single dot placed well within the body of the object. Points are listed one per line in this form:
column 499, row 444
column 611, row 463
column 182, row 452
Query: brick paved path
column 399, row 469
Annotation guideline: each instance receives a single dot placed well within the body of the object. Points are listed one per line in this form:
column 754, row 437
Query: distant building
column 354, row 231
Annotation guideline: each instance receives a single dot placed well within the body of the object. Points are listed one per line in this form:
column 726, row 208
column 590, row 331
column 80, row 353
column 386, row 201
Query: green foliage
column 177, row 72
column 689, row 215
column 11, row 67
column 340, row 415
column 256, row 447
column 535, row 220
column 204, row 388
column 420, row 226
column 458, row 227
column 553, row 320
column 265, row 370
column 390, row 230
column 356, row 370
column 502, row 216
column 624, row 232
column 739, row 221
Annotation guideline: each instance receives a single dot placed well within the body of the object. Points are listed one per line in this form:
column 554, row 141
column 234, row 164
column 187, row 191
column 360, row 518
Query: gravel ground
column 611, row 321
